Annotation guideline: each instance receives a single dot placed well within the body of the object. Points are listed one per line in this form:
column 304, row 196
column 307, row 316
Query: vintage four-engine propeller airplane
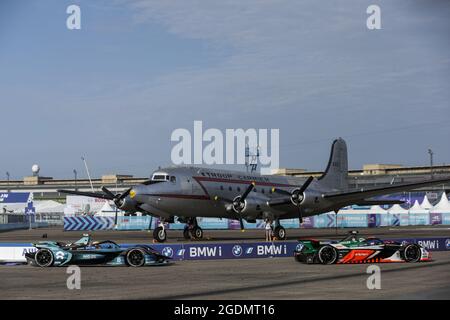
column 191, row 192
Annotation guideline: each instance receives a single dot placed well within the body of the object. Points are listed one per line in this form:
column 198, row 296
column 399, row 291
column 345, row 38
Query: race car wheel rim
column 412, row 253
column 136, row 258
column 44, row 258
column 327, row 255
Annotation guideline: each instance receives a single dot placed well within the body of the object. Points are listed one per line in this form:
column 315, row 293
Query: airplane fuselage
column 193, row 192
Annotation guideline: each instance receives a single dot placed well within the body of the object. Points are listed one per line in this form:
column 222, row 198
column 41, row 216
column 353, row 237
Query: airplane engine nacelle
column 128, row 204
column 310, row 199
column 252, row 209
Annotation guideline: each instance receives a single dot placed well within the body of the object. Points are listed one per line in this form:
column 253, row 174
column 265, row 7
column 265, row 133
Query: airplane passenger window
column 173, row 179
column 221, row 187
column 262, row 190
column 229, row 188
column 238, row 189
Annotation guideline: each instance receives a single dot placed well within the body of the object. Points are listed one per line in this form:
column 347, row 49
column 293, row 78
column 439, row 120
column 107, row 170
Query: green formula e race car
column 353, row 249
column 86, row 252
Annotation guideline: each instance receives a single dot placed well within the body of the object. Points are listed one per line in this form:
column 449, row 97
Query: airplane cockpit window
column 158, row 176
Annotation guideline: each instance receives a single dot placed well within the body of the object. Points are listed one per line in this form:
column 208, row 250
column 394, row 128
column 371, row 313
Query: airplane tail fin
column 336, row 173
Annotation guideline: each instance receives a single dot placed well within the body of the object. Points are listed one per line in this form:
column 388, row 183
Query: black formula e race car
column 86, row 252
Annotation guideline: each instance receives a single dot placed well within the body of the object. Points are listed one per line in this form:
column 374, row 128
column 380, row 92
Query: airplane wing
column 354, row 197
column 377, row 202
column 88, row 194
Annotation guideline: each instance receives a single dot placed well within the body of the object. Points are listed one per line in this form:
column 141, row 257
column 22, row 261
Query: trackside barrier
column 18, row 226
column 15, row 252
column 326, row 220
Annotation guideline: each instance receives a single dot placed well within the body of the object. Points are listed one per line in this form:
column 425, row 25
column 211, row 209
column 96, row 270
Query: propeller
column 117, row 199
column 295, row 197
column 238, row 203
column 107, row 194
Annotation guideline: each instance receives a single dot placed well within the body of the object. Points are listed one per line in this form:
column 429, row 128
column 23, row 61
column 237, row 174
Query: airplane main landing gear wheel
column 44, row 258
column 279, row 233
column 160, row 234
column 186, row 233
column 197, row 232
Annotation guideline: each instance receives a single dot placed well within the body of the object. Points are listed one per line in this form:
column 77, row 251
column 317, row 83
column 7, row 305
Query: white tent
column 442, row 206
column 416, row 208
column 107, row 211
column 426, row 203
column 377, row 209
column 48, row 206
column 69, row 210
column 397, row 209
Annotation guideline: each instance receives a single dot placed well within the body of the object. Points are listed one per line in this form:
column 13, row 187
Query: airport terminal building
column 371, row 175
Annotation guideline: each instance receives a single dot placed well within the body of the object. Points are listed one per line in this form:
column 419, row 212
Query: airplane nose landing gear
column 160, row 234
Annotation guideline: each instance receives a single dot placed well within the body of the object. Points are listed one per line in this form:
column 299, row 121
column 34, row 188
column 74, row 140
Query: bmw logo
column 447, row 244
column 167, row 251
column 237, row 250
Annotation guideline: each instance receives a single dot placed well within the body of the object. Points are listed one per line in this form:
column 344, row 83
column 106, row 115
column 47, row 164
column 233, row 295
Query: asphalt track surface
column 264, row 278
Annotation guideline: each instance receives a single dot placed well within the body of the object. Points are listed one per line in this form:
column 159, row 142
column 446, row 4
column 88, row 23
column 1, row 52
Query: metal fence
column 49, row 218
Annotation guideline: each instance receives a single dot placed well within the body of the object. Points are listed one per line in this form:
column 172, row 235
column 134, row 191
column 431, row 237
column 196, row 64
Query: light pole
column 431, row 153
column 75, row 174
column 87, row 171
column 7, row 178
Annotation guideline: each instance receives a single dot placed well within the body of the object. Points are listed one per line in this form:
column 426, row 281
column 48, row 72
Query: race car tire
column 327, row 255
column 279, row 233
column 135, row 258
column 197, row 232
column 44, row 258
column 160, row 234
column 186, row 234
column 412, row 253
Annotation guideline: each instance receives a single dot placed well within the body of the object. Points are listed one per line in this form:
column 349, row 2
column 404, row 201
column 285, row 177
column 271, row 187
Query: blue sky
column 116, row 89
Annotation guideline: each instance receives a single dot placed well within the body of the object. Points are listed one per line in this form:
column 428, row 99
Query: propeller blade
column 109, row 193
column 87, row 194
column 115, row 218
column 247, row 191
column 300, row 215
column 125, row 194
column 241, row 222
column 306, row 184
